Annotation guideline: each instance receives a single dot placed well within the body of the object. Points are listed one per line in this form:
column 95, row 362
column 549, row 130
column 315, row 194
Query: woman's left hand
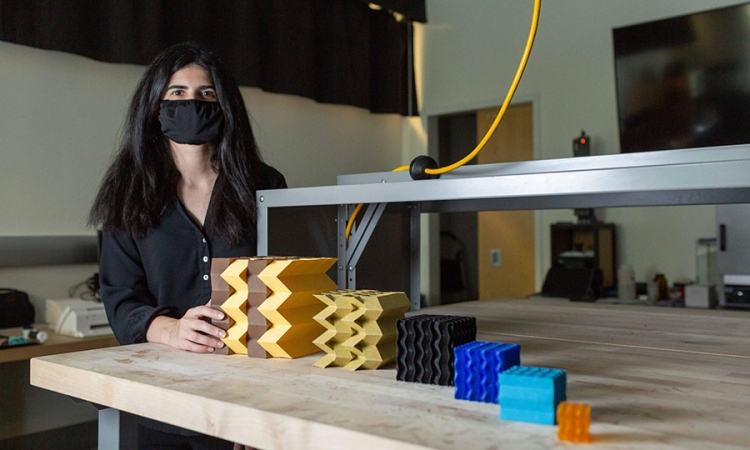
column 192, row 332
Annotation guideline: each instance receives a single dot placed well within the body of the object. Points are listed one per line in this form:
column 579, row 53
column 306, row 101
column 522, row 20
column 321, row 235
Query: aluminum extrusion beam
column 698, row 179
column 646, row 159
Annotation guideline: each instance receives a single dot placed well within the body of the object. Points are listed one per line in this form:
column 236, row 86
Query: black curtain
column 332, row 51
column 412, row 9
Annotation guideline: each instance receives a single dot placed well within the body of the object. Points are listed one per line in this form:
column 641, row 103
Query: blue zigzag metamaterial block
column 477, row 366
column 531, row 394
column 425, row 344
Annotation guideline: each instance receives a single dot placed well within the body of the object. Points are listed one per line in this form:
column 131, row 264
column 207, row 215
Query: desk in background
column 55, row 344
column 666, row 378
column 32, row 417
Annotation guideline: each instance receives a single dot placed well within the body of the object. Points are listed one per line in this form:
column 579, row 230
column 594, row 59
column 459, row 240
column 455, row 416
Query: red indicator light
column 583, row 140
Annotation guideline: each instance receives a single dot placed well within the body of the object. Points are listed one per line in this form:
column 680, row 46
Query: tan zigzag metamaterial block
column 220, row 292
column 292, row 305
column 258, row 292
column 360, row 328
column 236, row 305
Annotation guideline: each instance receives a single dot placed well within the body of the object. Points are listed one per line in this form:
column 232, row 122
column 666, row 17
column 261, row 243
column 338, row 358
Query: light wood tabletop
column 656, row 378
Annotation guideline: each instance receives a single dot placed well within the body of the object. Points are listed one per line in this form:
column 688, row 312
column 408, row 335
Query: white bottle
column 625, row 282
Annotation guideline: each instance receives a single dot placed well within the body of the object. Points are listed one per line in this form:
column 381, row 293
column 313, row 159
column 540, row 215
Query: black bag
column 15, row 309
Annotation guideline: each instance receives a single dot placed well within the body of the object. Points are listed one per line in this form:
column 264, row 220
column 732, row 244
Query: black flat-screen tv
column 684, row 82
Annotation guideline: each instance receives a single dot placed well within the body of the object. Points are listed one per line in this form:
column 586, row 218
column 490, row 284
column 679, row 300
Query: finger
column 205, row 340
column 191, row 340
column 203, row 333
column 204, row 311
column 196, row 348
column 200, row 332
column 199, row 343
column 206, row 328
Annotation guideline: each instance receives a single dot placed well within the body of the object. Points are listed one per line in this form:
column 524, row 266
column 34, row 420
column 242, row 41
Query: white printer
column 77, row 318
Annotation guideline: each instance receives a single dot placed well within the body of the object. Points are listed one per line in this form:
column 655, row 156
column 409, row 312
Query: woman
column 180, row 191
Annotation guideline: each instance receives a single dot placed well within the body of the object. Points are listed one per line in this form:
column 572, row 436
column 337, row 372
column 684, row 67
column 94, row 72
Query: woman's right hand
column 192, row 332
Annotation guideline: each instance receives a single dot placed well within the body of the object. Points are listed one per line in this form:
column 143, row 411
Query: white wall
column 61, row 114
column 467, row 55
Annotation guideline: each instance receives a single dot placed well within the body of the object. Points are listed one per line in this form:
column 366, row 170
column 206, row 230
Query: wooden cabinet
column 586, row 245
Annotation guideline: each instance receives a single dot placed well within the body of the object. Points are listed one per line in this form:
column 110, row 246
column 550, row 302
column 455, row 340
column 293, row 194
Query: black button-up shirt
column 166, row 272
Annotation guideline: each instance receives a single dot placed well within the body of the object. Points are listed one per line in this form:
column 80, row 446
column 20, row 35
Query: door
column 505, row 246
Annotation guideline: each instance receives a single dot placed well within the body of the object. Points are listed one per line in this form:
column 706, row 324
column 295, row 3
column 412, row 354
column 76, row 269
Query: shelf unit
column 594, row 244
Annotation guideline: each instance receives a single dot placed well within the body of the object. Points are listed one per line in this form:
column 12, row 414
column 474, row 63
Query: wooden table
column 55, row 344
column 655, row 377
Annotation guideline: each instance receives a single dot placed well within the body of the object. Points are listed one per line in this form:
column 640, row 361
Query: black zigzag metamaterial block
column 425, row 347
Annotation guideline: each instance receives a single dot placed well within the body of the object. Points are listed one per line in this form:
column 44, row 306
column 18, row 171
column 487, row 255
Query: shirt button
column 205, row 277
column 204, row 240
column 205, row 259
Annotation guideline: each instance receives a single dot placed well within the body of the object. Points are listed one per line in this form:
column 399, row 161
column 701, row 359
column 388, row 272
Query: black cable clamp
column 419, row 165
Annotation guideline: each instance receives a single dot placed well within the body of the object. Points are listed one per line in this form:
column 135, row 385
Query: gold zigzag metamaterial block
column 292, row 305
column 256, row 292
column 236, row 305
column 337, row 332
column 269, row 303
column 360, row 328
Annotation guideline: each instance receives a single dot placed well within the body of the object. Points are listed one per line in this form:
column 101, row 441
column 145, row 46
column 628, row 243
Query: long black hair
column 142, row 180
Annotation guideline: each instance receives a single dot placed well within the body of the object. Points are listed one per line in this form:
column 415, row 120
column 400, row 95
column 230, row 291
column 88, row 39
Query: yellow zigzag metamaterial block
column 337, row 307
column 360, row 328
column 236, row 305
column 292, row 305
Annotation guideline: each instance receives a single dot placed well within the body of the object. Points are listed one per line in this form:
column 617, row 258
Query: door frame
column 432, row 229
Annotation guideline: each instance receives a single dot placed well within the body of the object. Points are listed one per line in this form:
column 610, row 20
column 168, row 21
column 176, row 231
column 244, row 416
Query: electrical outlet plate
column 496, row 257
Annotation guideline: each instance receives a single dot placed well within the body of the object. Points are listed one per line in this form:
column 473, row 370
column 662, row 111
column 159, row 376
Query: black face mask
column 191, row 121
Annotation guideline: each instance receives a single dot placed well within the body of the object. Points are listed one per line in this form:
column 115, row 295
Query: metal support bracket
column 349, row 251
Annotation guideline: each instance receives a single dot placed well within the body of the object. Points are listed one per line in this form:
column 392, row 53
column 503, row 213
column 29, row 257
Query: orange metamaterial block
column 574, row 420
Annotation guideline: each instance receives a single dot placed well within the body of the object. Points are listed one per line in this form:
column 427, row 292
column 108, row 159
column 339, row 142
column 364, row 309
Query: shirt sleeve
column 129, row 305
column 269, row 178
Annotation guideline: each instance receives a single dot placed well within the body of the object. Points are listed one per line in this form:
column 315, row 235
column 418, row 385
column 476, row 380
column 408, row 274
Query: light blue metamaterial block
column 531, row 394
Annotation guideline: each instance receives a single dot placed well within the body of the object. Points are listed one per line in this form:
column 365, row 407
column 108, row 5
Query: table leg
column 117, row 430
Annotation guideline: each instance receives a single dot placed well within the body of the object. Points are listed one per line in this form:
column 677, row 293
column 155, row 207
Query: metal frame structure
column 676, row 177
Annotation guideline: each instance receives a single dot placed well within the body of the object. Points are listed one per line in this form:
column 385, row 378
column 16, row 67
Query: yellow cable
column 508, row 97
column 493, row 127
column 350, row 224
column 351, row 220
